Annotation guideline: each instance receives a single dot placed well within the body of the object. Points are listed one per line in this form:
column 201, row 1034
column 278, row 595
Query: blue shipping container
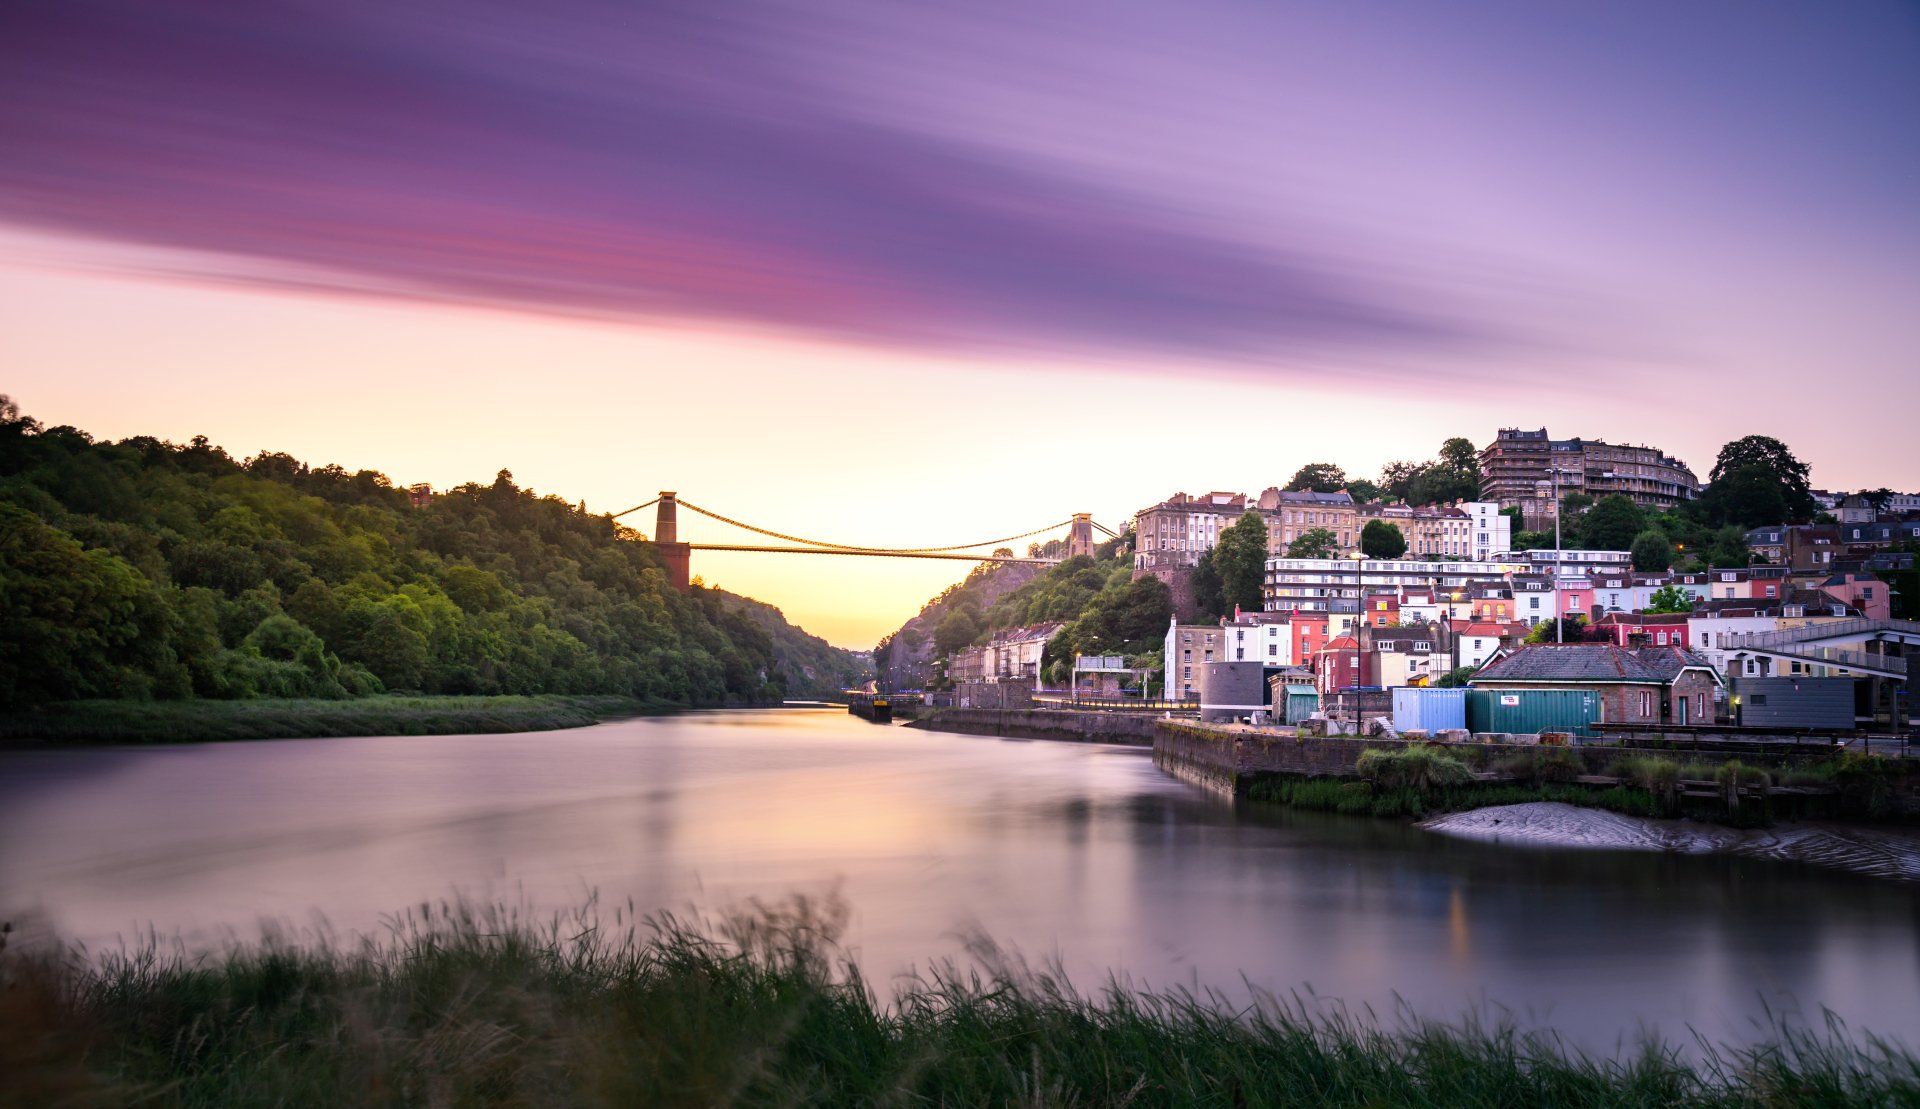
column 1429, row 710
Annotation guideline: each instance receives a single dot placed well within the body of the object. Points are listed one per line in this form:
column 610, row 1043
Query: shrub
column 1659, row 777
column 1421, row 769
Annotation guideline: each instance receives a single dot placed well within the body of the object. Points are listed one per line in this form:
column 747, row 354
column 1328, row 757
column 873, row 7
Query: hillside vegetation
column 143, row 569
column 1105, row 612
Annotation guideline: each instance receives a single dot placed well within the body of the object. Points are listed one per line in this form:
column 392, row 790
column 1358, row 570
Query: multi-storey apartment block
column 1518, row 469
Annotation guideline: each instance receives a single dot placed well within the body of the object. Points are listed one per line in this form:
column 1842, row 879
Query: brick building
column 1648, row 685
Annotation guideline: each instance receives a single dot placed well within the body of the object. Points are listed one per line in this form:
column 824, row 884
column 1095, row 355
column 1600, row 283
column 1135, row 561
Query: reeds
column 460, row 1005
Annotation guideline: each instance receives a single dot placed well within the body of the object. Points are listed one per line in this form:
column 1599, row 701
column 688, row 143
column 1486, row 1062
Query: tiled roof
column 1668, row 662
column 1576, row 662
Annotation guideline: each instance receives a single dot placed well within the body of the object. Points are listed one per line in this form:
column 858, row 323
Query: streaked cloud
column 649, row 161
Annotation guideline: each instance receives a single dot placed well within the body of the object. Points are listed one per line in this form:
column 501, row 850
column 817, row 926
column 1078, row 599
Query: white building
column 1262, row 637
column 1337, row 584
column 1576, row 561
column 1492, row 533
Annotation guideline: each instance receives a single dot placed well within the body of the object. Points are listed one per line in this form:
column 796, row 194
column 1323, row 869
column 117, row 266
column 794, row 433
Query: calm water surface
column 1083, row 852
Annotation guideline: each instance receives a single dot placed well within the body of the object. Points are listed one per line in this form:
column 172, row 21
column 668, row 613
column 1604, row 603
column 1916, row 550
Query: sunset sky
column 912, row 274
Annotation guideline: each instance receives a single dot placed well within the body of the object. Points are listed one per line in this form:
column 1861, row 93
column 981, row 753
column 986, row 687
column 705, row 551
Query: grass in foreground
column 76, row 722
column 480, row 1007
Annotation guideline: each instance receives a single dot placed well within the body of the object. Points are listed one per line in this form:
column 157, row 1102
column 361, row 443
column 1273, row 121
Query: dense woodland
column 146, row 569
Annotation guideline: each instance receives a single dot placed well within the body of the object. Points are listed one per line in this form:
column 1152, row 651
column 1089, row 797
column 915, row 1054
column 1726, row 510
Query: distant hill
column 813, row 667
column 147, row 569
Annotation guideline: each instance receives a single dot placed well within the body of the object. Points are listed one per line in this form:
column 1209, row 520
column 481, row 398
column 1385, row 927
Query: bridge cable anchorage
column 634, row 509
column 869, row 550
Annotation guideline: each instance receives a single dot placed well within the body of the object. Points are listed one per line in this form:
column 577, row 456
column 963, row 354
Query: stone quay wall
column 1063, row 724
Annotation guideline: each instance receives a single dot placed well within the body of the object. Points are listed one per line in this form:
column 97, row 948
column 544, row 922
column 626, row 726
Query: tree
column 1241, row 559
column 1670, row 598
column 1455, row 476
column 1611, row 524
column 1318, row 477
column 1209, row 590
column 1728, row 548
column 1572, row 629
column 1455, row 678
column 1573, row 504
column 1748, row 497
column 957, row 629
column 1652, row 551
column 1788, row 474
column 1396, row 480
column 1380, row 539
column 1314, row 543
column 1363, row 491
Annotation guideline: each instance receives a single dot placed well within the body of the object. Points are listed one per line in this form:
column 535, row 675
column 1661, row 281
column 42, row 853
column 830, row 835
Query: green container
column 1527, row 711
column 1302, row 702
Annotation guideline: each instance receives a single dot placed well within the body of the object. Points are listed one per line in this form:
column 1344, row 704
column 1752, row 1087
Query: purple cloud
column 624, row 160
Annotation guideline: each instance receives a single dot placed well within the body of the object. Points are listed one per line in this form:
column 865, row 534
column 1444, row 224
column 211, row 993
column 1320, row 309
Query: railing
column 1832, row 629
column 1113, row 704
column 1835, row 658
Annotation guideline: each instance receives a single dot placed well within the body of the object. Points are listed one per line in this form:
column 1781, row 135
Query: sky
column 920, row 274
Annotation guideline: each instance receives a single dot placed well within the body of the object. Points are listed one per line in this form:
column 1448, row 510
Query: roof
column 1580, row 663
column 1491, row 627
column 1418, row 633
column 1668, row 662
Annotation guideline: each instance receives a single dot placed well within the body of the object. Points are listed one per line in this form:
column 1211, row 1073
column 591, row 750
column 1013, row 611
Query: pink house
column 1664, row 629
column 1863, row 591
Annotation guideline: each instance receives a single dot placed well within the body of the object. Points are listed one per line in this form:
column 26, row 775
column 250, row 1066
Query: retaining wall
column 1066, row 724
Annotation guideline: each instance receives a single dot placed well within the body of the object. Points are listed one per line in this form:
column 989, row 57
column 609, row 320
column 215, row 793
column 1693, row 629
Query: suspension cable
column 870, row 550
column 634, row 509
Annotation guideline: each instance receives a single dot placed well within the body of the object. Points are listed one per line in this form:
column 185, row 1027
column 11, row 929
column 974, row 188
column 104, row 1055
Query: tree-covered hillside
column 145, row 569
column 1104, row 609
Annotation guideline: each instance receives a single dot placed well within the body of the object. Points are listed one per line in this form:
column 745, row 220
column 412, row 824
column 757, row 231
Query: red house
column 1341, row 666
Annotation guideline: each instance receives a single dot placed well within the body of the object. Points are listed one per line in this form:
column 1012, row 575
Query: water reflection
column 1086, row 852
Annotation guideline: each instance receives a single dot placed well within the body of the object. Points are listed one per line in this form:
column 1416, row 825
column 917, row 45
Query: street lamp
column 1559, row 622
column 1353, row 629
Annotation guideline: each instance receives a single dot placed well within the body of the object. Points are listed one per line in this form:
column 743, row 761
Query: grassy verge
column 459, row 1007
column 82, row 722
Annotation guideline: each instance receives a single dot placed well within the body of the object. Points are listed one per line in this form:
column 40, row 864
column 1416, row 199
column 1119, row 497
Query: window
column 1186, row 671
column 1646, row 702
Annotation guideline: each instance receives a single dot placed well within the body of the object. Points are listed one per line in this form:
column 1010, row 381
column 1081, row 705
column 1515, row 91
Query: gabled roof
column 1591, row 663
column 1670, row 662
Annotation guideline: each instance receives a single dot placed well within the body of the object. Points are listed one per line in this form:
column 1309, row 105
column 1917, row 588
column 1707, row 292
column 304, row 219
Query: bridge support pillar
column 678, row 556
column 1080, row 535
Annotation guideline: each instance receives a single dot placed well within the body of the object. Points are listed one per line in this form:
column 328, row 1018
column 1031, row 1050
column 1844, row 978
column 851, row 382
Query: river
column 1083, row 852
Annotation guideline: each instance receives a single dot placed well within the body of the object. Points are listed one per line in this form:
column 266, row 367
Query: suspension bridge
column 1080, row 528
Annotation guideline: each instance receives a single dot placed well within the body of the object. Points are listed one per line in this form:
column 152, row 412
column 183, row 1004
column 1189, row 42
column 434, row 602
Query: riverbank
column 75, row 723
column 469, row 1007
column 1881, row 852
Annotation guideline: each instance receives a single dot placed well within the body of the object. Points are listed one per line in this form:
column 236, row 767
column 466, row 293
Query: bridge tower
column 1080, row 535
column 666, row 538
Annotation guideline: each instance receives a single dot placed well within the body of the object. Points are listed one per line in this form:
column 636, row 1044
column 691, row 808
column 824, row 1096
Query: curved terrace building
column 1517, row 469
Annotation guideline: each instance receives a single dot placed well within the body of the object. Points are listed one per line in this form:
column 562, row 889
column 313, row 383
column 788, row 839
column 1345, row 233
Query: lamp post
column 1359, row 613
column 1559, row 629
